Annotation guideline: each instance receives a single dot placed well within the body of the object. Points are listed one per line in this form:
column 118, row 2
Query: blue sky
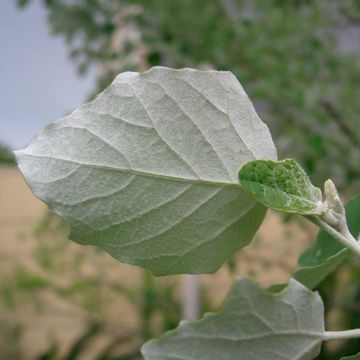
column 38, row 82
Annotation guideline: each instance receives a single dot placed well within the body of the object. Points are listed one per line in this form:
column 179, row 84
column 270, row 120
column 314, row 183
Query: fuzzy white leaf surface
column 148, row 170
column 253, row 324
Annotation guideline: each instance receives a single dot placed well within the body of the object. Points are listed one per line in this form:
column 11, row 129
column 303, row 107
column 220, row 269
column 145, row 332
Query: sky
column 38, row 82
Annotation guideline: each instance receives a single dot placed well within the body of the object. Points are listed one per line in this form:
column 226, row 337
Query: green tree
column 6, row 155
column 284, row 53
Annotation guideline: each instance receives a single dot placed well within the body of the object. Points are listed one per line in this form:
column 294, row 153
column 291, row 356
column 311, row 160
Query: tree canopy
column 285, row 53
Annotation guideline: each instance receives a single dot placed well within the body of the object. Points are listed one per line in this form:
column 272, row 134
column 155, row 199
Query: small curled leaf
column 281, row 185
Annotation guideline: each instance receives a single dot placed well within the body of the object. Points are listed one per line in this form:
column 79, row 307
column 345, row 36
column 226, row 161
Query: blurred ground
column 52, row 309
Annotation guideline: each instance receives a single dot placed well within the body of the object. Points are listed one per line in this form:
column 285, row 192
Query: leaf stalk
column 339, row 335
column 345, row 238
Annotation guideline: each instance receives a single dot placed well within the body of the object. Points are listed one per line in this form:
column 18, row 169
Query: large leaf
column 252, row 325
column 148, row 170
column 327, row 254
column 281, row 185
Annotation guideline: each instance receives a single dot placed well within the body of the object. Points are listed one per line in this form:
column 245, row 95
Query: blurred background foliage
column 85, row 279
column 298, row 64
column 6, row 155
column 293, row 57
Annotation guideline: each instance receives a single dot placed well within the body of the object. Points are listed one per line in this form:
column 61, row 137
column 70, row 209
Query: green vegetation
column 157, row 156
column 6, row 155
column 285, row 54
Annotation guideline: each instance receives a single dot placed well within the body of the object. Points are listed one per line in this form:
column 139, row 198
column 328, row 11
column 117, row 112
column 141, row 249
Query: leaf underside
column 252, row 325
column 148, row 170
column 327, row 254
column 281, row 185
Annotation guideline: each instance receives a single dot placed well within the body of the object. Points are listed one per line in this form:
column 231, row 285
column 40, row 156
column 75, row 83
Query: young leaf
column 252, row 325
column 327, row 254
column 281, row 185
column 148, row 170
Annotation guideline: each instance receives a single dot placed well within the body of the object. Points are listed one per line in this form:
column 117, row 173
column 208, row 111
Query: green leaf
column 148, row 170
column 354, row 357
column 281, row 185
column 327, row 254
column 252, row 325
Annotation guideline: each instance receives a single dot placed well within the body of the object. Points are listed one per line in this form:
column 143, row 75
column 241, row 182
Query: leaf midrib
column 297, row 197
column 311, row 334
column 198, row 181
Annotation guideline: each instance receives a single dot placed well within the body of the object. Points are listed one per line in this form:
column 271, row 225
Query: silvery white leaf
column 148, row 170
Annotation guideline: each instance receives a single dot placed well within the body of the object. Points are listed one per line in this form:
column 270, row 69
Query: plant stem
column 338, row 335
column 345, row 239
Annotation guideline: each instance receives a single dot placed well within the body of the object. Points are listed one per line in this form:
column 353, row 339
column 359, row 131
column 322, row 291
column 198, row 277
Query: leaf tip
column 19, row 154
